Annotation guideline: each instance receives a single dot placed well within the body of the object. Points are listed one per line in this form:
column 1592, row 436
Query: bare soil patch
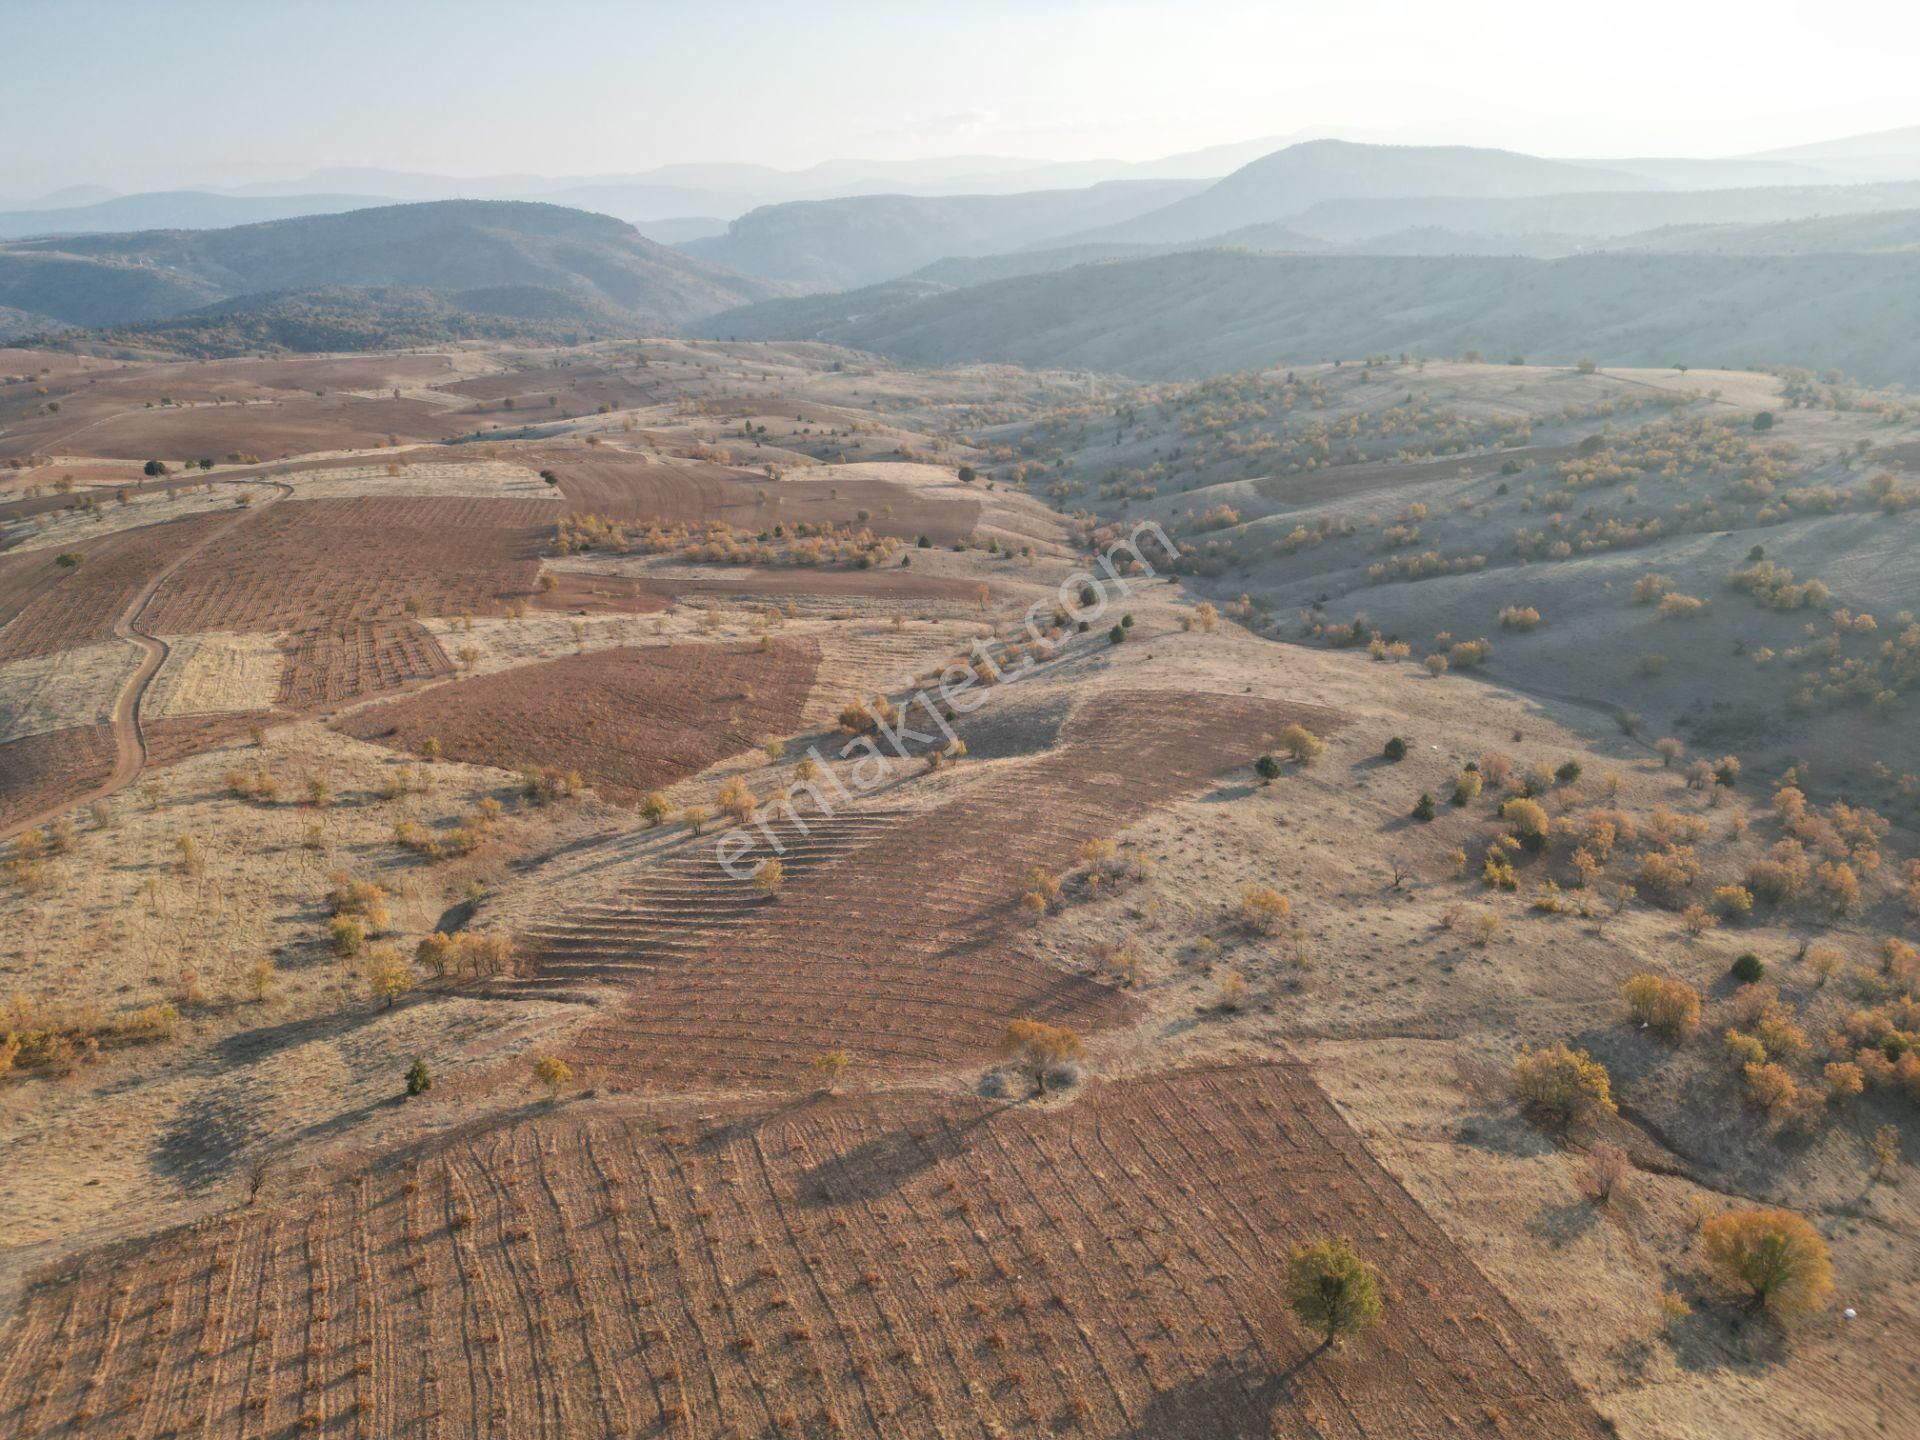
column 308, row 562
column 348, row 659
column 869, row 1266
column 39, row 772
column 643, row 489
column 909, row 948
column 630, row 720
column 54, row 608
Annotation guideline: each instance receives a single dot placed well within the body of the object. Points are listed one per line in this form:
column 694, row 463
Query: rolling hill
column 571, row 257
column 1213, row 311
column 1289, row 181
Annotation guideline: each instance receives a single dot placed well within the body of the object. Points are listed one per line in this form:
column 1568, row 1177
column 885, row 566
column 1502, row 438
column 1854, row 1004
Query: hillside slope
column 1212, row 311
column 455, row 245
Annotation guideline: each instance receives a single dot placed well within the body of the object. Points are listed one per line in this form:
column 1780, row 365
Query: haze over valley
column 1085, row 720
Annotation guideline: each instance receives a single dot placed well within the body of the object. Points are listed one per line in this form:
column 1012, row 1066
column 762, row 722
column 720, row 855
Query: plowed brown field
column 41, row 771
column 907, row 948
column 271, row 429
column 874, row 1266
column 176, row 737
column 630, row 720
column 641, row 489
column 309, row 562
column 346, row 659
column 45, row 608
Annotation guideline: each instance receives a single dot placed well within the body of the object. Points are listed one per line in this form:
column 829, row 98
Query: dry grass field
column 357, row 1084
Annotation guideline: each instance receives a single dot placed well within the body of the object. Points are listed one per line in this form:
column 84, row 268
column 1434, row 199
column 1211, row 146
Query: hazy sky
column 140, row 94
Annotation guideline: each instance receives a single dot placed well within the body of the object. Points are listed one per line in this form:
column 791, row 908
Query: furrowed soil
column 41, row 771
column 885, row 1265
column 719, row 987
column 630, row 720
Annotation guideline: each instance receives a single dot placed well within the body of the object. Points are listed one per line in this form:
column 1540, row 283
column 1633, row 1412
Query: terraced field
column 907, row 949
column 308, row 562
column 878, row 1266
column 649, row 489
column 630, row 720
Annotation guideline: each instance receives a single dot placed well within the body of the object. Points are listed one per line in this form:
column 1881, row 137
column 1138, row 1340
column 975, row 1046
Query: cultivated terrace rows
column 884, row 1266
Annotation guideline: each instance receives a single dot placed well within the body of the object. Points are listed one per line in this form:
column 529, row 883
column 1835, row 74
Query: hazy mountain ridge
column 175, row 210
column 869, row 238
column 1293, row 180
column 102, row 282
column 1211, row 311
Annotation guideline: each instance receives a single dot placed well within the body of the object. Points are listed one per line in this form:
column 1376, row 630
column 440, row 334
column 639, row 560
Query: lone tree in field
column 830, row 1065
column 1301, row 743
column 552, row 1072
column 1773, row 1258
column 1267, row 768
column 419, row 1078
column 1035, row 1047
column 388, row 975
column 1562, row 1085
column 1332, row 1290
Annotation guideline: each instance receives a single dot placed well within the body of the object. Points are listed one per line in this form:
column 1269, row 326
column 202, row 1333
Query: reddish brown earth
column 540, row 395
column 641, row 490
column 303, row 563
column 630, row 720
column 874, row 1266
column 102, row 425
column 580, row 591
column 348, row 659
column 176, row 737
column 43, row 772
column 603, row 593
column 47, row 608
column 905, row 945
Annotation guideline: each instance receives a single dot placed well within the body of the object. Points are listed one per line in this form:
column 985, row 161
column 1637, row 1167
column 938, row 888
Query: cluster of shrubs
column 466, row 952
column 56, row 1039
column 455, row 841
column 359, row 911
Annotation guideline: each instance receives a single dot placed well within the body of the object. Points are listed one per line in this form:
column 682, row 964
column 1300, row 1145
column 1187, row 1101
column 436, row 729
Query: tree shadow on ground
column 883, row 1164
column 1235, row 1398
column 1718, row 1335
column 1560, row 1223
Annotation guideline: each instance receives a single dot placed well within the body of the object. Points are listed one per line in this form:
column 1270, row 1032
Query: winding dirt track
column 130, row 744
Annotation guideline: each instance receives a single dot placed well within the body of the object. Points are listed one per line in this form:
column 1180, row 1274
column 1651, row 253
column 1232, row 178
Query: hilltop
column 107, row 281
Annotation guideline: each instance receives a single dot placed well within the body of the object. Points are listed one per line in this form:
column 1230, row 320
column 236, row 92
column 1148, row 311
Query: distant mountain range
column 846, row 243
column 724, row 192
column 667, row 192
column 1325, row 248
column 542, row 262
column 1315, row 197
column 174, row 210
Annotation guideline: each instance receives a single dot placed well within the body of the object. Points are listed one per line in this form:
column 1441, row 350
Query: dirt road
column 130, row 745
